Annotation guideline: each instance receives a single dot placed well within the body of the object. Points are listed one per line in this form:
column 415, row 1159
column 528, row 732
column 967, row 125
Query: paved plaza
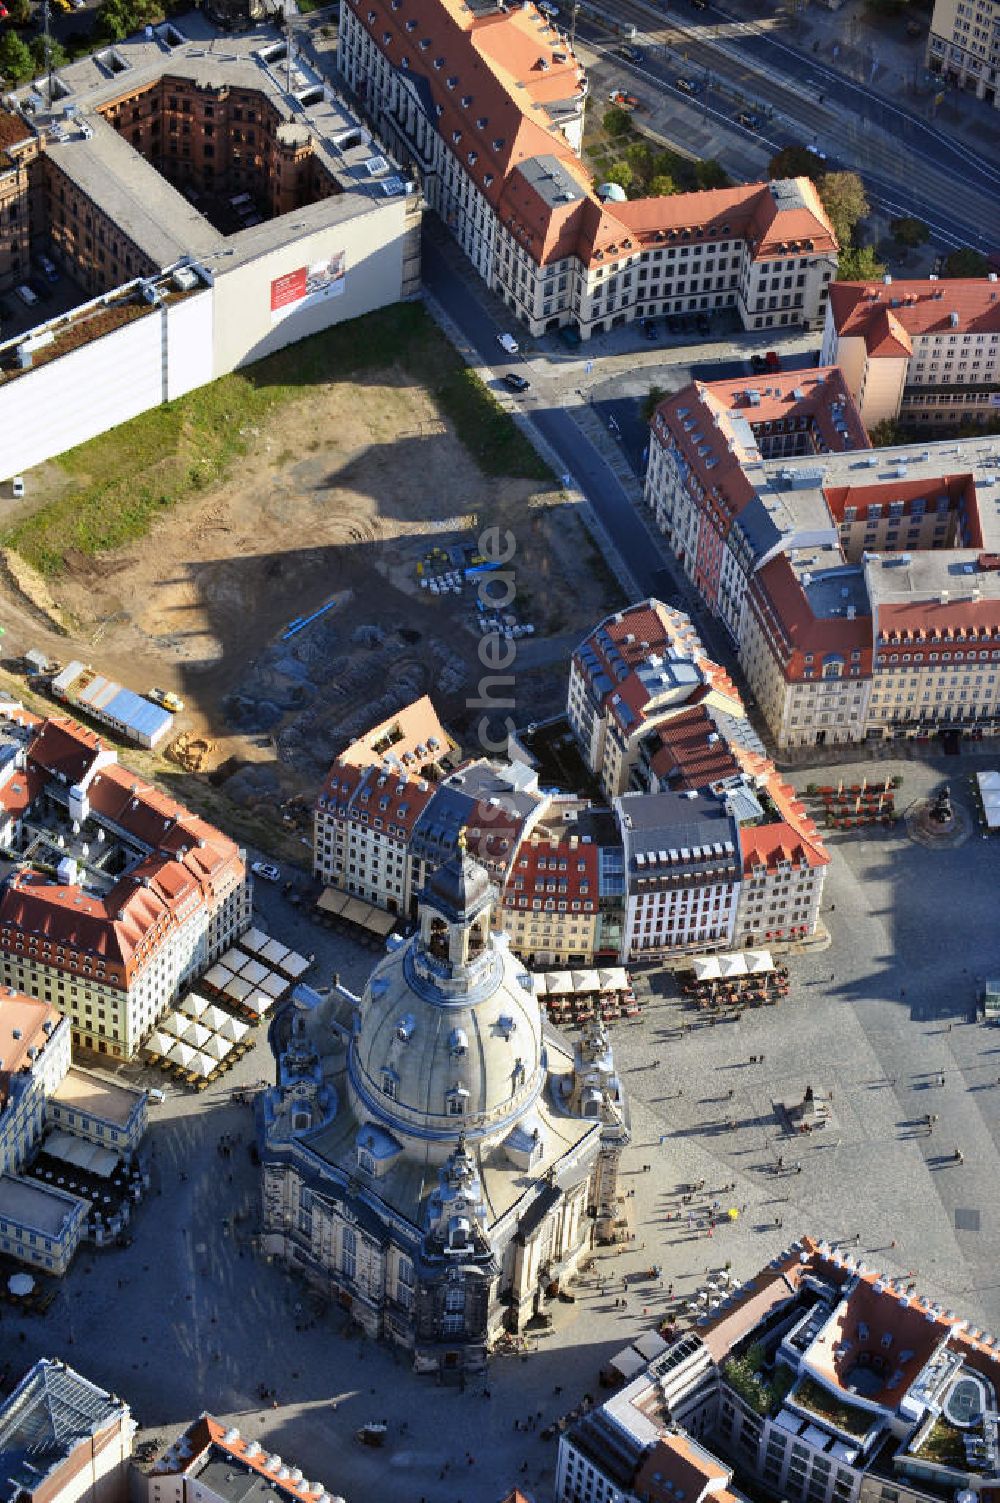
column 189, row 1318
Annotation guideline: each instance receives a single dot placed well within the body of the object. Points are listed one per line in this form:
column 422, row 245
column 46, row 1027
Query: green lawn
column 123, row 479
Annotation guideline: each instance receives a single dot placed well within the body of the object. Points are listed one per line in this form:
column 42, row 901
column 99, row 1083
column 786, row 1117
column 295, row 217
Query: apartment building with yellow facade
column 923, row 352
column 963, row 45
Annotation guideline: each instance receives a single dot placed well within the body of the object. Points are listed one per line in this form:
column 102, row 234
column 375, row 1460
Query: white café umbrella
column 216, row 1047
column 234, row 1029
column 213, row 1017
column 193, row 1006
column 202, row 1065
column 196, row 1034
column 159, row 1043
column 181, row 1054
column 20, row 1283
column 173, row 1023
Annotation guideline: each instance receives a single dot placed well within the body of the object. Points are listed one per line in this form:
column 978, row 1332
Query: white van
column 156, row 1096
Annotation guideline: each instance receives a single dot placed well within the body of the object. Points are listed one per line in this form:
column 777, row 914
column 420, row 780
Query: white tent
column 233, row 1029
column 196, row 1034
column 81, row 1153
column 193, row 1006
column 558, row 983
column 254, row 971
column 274, row 986
column 159, row 1043
column 173, row 1023
column 253, row 941
column 213, row 1017
column 202, row 1065
column 258, row 1002
column 238, row 989
column 538, row 983
column 217, row 1047
column 273, row 951
column 217, row 976
column 181, row 1054
column 586, row 981
column 732, row 965
column 706, row 968
column 294, row 965
column 989, row 792
column 613, row 978
column 628, row 1362
column 759, row 962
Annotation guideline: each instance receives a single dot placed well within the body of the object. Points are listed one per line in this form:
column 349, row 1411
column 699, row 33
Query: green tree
column 964, row 263
column 909, row 231
column 796, row 161
column 15, row 59
column 661, row 186
column 57, row 54
column 843, row 195
column 886, row 433
column 640, row 159
column 710, row 174
column 622, row 174
column 616, row 122
column 857, row 263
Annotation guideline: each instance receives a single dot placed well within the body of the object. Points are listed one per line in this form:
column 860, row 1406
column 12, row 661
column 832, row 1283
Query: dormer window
column 458, row 1043
column 456, row 1101
column 466, row 101
column 482, row 123
column 411, row 24
column 473, row 158
column 390, row 1084
column 405, row 1027
column 366, row 1161
column 456, row 136
column 452, row 82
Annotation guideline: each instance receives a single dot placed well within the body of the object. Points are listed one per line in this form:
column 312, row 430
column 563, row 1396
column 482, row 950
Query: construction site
column 321, row 585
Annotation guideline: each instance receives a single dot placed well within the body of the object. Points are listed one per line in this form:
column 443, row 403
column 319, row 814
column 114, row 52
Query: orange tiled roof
column 22, row 1027
column 490, row 79
column 915, row 308
column 691, row 753
column 64, row 748
column 677, row 1467
column 206, row 1433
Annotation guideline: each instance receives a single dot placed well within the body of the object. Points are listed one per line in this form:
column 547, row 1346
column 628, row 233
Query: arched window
column 438, row 942
column 366, row 1161
column 477, row 939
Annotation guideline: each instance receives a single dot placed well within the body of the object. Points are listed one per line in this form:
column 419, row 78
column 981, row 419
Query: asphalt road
column 633, row 539
column 954, row 189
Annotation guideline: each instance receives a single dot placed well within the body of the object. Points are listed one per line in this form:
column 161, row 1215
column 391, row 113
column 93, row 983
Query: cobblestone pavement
column 189, row 1318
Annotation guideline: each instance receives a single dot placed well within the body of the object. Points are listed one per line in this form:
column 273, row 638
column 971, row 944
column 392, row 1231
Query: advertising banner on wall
column 299, row 289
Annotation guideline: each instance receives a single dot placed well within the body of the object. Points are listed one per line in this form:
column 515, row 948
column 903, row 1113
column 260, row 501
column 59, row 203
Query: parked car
column 622, row 100
column 169, row 701
column 266, row 871
column 515, row 382
column 509, row 343
column 629, row 54
column 28, row 295
column 750, row 121
column 686, row 85
column 48, row 269
column 154, row 1094
column 17, row 487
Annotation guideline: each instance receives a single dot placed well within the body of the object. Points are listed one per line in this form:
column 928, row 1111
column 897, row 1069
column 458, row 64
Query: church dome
column 448, row 1037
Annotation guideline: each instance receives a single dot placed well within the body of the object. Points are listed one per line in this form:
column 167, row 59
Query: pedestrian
column 732, row 1093
column 857, row 1239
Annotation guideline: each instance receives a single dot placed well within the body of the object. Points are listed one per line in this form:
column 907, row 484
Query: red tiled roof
column 677, row 1467
column 509, row 65
column 915, row 308
column 64, row 747
column 353, row 791
column 537, row 865
column 778, row 589
column 207, row 1433
column 698, row 421
column 691, row 753
column 21, row 789
column 653, row 633
column 960, row 490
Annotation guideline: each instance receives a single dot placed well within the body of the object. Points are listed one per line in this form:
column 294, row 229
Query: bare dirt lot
column 339, row 499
